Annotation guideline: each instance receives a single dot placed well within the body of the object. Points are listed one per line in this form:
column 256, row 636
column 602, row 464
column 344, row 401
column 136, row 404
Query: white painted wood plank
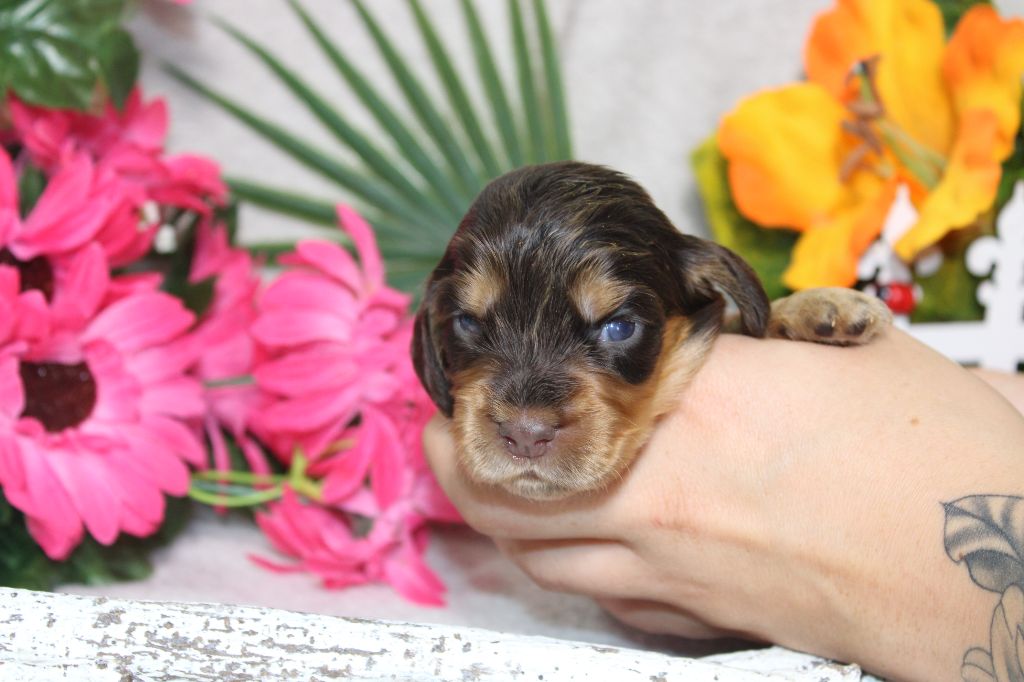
column 46, row 636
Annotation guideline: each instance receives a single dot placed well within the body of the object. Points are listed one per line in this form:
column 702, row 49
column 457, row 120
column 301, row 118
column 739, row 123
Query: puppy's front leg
column 840, row 317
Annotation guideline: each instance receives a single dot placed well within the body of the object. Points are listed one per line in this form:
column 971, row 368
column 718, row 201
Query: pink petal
column 12, row 473
column 388, row 474
column 308, row 290
column 65, row 216
column 328, row 257
column 366, row 244
column 178, row 397
column 405, row 571
column 12, row 391
column 295, row 327
column 8, row 186
column 117, row 392
column 33, row 316
column 347, row 470
column 142, row 508
column 52, row 519
column 275, row 567
column 80, row 286
column 302, row 414
column 84, row 477
column 179, row 438
column 154, row 461
column 301, row 372
column 140, row 321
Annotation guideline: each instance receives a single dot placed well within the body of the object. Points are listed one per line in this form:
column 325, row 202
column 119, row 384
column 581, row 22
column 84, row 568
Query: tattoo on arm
column 986, row 533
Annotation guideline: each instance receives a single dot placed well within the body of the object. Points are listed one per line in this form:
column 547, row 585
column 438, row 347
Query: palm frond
column 415, row 175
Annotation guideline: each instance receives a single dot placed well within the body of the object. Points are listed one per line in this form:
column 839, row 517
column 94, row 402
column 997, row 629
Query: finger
column 595, row 568
column 659, row 618
column 494, row 512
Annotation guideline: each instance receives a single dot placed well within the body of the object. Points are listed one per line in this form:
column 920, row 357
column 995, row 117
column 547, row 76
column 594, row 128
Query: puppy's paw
column 841, row 317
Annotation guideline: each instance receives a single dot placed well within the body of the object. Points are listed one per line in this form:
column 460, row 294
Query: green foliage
column 767, row 250
column 54, row 53
column 23, row 564
column 952, row 10
column 31, row 183
column 415, row 187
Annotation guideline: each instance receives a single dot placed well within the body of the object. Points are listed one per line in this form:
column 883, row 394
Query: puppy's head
column 565, row 317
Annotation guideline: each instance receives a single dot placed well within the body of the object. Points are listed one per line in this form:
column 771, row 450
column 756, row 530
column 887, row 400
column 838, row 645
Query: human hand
column 794, row 496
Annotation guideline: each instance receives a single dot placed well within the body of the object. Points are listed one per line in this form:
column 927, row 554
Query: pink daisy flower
column 92, row 418
column 127, row 148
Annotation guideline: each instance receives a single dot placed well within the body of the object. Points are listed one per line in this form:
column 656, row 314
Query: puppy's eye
column 618, row 329
column 467, row 325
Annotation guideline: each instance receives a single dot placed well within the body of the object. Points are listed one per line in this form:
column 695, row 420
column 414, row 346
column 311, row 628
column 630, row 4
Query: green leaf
column 316, row 211
column 31, row 183
column 766, row 250
column 443, row 169
column 541, row 140
column 951, row 293
column 559, row 112
column 420, row 102
column 49, row 49
column 307, row 153
column 491, row 80
column 456, row 92
column 400, row 134
column 383, row 167
column 119, row 64
column 23, row 563
column 1013, row 169
column 986, row 532
column 952, row 10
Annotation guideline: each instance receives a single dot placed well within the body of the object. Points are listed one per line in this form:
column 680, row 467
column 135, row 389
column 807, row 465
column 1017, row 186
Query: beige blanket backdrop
column 647, row 80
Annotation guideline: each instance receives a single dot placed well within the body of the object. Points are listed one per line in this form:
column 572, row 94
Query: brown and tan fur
column 518, row 342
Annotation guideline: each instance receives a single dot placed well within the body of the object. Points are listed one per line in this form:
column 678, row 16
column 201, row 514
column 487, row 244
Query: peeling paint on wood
column 47, row 637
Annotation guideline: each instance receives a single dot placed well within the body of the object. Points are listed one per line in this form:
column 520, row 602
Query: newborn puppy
column 568, row 314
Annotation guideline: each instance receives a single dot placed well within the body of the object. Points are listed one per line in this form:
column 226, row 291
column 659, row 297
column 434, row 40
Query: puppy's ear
column 710, row 270
column 427, row 353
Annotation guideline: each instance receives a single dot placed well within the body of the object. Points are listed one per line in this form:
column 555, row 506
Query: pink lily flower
column 323, row 543
column 226, row 348
column 334, row 335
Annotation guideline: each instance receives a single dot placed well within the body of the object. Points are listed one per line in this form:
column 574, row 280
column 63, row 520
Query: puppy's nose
column 527, row 435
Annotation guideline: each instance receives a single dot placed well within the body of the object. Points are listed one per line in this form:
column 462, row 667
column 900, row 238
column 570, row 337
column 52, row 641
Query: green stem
column 243, row 477
column 237, row 501
column 297, row 478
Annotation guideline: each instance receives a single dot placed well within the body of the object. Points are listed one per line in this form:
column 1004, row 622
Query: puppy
column 568, row 314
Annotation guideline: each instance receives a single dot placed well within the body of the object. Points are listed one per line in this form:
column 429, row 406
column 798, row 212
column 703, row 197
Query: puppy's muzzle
column 528, row 434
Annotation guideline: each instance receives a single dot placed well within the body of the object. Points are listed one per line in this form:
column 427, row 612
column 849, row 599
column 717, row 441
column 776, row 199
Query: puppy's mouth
column 531, row 460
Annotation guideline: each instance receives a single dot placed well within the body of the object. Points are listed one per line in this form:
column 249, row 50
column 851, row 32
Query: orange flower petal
column 983, row 65
column 967, row 189
column 909, row 37
column 784, row 148
column 827, row 254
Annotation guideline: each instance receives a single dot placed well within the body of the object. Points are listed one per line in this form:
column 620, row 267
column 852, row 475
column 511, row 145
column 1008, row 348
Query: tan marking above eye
column 596, row 294
column 479, row 288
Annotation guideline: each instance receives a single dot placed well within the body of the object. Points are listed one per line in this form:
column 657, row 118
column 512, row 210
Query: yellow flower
column 886, row 101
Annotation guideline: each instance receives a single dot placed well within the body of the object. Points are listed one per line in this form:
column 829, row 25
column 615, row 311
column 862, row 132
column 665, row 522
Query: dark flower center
column 35, row 273
column 59, row 396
